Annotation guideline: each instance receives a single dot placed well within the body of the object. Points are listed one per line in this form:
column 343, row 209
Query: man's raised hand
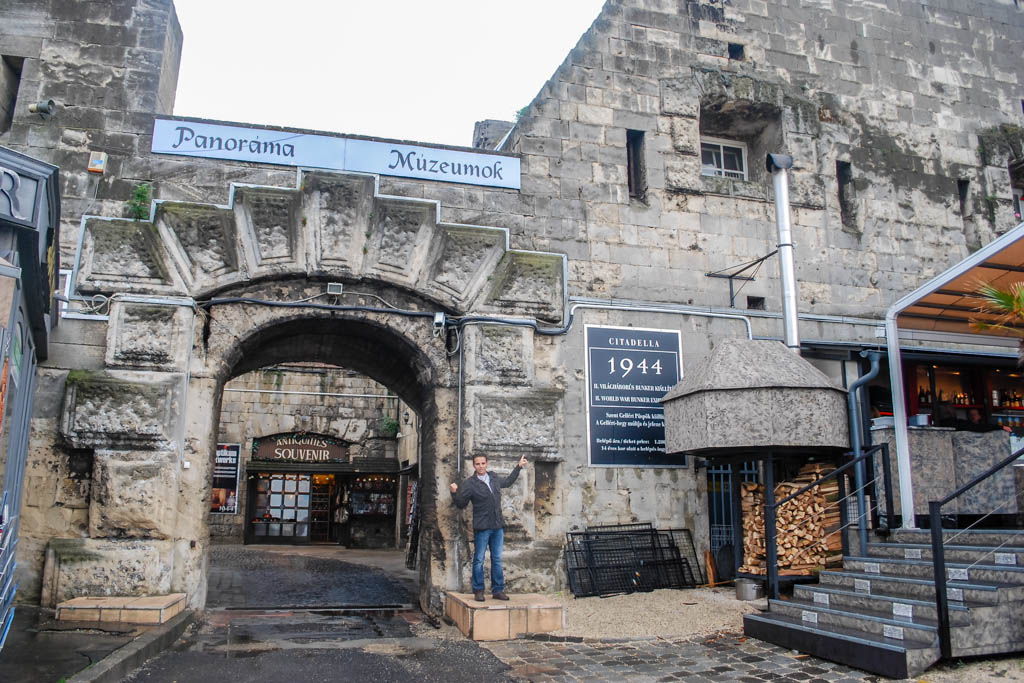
column 454, row 488
column 522, row 461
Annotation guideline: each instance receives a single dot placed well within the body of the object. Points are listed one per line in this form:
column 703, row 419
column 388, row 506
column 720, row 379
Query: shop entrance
column 353, row 511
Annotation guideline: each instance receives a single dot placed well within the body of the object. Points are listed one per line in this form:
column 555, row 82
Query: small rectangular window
column 847, row 206
column 723, row 158
column 755, row 303
column 10, row 81
column 735, row 51
column 963, row 191
column 636, row 172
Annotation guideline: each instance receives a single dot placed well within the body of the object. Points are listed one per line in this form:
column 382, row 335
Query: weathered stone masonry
column 903, row 117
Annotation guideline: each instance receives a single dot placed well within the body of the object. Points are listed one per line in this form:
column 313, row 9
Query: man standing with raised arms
column 484, row 491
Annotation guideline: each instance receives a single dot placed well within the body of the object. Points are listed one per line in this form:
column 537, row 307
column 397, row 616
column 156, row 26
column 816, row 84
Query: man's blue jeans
column 482, row 539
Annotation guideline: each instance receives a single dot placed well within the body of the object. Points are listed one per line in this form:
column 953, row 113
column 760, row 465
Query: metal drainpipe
column 777, row 165
column 853, row 406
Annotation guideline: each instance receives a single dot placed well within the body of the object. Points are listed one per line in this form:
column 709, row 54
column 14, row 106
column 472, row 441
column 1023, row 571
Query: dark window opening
column 10, row 80
column 963, row 193
column 80, row 463
column 636, row 172
column 735, row 51
column 755, row 303
column 847, row 208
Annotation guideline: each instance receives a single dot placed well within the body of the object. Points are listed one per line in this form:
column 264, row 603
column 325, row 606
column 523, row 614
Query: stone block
column 125, row 256
column 133, row 495
column 499, row 355
column 493, row 620
column 80, row 567
column 142, row 335
column 102, row 411
column 523, row 422
column 528, row 284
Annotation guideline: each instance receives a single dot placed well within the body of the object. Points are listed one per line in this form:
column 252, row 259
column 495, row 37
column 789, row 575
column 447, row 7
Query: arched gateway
column 202, row 293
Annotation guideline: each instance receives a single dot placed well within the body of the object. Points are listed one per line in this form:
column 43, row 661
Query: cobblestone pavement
column 251, row 577
column 721, row 657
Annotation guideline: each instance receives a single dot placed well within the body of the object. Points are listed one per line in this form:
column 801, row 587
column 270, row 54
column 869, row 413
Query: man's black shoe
column 500, row 595
column 479, row 596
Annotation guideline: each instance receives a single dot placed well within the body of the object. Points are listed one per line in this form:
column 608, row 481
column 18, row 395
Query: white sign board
column 268, row 146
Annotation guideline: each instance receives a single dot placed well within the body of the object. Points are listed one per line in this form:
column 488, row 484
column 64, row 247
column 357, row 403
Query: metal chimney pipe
column 778, row 164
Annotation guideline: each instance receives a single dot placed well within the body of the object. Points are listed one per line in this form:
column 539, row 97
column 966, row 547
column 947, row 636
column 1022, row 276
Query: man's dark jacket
column 486, row 500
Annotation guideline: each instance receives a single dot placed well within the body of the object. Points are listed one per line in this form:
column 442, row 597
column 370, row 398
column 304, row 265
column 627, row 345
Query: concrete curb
column 122, row 661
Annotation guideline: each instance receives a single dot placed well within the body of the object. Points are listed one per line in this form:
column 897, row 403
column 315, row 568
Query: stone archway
column 202, row 292
column 400, row 352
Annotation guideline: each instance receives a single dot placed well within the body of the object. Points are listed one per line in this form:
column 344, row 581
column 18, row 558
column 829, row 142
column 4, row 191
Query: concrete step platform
column 990, row 555
column 504, row 619
column 922, row 569
column 878, row 654
column 155, row 609
column 899, row 606
column 979, row 592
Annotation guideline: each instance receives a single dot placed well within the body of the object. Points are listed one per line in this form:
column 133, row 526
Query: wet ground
column 261, row 577
column 319, row 645
column 41, row 649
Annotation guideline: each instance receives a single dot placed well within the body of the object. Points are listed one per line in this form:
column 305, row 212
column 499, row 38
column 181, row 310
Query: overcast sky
column 421, row 70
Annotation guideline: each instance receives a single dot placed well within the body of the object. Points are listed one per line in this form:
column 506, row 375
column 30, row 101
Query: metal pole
column 939, row 564
column 777, row 164
column 856, row 424
column 899, row 411
column 771, row 555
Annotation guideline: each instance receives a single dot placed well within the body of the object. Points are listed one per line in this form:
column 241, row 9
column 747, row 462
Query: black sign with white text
column 629, row 370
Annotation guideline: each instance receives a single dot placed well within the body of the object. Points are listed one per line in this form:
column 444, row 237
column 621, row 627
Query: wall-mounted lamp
column 406, row 417
column 45, row 108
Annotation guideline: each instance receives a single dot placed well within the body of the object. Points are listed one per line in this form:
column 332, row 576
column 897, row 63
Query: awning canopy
column 946, row 305
column 949, row 302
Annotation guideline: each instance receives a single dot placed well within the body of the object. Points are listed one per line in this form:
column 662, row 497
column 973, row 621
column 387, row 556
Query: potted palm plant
column 1006, row 308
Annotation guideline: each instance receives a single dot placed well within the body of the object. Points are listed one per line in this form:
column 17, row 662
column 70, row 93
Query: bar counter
column 943, row 459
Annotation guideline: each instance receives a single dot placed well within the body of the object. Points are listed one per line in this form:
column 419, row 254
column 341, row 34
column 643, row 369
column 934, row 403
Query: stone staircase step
column 974, row 591
column 876, row 654
column 1006, row 555
column 960, row 571
column 985, row 537
column 899, row 606
column 861, row 621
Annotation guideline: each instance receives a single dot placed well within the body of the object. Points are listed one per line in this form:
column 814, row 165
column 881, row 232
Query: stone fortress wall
column 904, row 119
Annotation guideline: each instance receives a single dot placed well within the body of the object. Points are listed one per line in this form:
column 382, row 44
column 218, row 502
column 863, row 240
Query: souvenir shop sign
column 300, row 448
column 224, row 496
column 629, row 371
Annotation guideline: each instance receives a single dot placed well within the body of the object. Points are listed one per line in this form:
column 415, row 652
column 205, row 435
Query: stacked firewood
column 808, row 526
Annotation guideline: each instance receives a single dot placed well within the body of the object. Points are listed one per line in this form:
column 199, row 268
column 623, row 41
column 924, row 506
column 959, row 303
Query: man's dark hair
column 481, row 456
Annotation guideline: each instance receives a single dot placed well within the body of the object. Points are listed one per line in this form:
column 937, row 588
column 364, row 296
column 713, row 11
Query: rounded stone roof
column 751, row 364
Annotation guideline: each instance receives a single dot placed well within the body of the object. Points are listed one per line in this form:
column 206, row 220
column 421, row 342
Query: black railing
column 771, row 506
column 939, row 552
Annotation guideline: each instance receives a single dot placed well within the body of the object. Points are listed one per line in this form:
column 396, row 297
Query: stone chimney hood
column 755, row 396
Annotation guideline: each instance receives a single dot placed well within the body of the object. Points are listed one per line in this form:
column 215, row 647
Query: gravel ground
column 659, row 613
column 975, row 671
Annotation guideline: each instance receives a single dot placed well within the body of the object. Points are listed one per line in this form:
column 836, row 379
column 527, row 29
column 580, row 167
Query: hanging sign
column 300, row 447
column 269, row 146
column 629, row 371
column 224, row 496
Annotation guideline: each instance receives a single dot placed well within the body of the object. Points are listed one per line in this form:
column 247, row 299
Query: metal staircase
column 879, row 612
column 899, row 605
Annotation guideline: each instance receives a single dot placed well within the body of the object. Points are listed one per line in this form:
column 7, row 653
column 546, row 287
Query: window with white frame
column 725, row 158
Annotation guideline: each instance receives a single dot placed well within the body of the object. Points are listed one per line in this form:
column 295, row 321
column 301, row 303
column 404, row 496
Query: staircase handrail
column 939, row 552
column 771, row 505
